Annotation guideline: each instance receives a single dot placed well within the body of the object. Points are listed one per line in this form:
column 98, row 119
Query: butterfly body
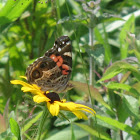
column 52, row 71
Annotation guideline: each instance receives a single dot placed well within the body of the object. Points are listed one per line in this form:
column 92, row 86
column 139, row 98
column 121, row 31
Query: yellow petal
column 76, row 109
column 19, row 82
column 80, row 115
column 24, row 77
column 73, row 106
column 70, row 106
column 39, row 99
column 85, row 108
column 28, row 87
column 53, row 108
column 91, row 112
column 36, row 87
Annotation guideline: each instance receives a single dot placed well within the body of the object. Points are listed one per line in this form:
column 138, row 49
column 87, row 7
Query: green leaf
column 137, row 86
column 110, row 19
column 3, row 52
column 97, row 53
column 122, row 112
column 7, row 135
column 137, row 126
column 104, row 42
column 128, row 27
column 118, row 67
column 15, row 128
column 12, row 10
column 120, row 126
column 131, row 106
column 72, row 133
column 100, row 134
column 117, row 24
column 66, row 134
column 128, row 88
column 94, row 92
column 98, row 35
column 31, row 122
column 137, row 54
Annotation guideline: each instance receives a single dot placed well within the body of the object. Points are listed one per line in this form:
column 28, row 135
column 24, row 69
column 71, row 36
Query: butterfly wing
column 53, row 70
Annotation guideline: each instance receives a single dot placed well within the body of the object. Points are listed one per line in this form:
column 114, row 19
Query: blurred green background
column 106, row 47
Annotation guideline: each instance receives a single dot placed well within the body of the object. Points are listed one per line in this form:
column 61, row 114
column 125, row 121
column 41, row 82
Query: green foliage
column 15, row 128
column 118, row 67
column 31, row 122
column 100, row 134
column 119, row 125
column 128, row 27
column 12, row 10
column 105, row 71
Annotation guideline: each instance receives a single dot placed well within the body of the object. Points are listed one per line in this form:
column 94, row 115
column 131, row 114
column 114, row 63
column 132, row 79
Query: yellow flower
column 53, row 101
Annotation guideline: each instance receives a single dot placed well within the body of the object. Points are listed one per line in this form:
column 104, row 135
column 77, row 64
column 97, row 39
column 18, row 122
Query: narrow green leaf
column 31, row 122
column 98, row 35
column 104, row 42
column 15, row 128
column 118, row 67
column 128, row 27
column 12, row 10
column 125, row 77
column 100, row 134
column 110, row 19
column 120, row 126
column 42, row 121
column 72, row 133
column 117, row 24
column 128, row 88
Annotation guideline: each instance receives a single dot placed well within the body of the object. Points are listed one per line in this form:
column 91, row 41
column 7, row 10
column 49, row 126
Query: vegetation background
column 105, row 72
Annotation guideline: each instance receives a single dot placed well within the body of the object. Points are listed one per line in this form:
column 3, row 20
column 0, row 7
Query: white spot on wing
column 67, row 53
column 68, row 43
column 59, row 49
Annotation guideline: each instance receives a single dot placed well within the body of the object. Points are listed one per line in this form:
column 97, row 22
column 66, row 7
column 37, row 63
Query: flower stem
column 42, row 122
column 91, row 75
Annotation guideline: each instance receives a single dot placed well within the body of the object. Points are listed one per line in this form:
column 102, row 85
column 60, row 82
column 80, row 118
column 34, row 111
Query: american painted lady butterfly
column 52, row 71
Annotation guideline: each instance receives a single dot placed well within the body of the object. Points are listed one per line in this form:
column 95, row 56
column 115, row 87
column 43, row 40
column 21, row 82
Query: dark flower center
column 53, row 96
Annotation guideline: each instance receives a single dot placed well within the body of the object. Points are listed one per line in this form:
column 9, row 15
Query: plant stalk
column 42, row 122
column 91, row 62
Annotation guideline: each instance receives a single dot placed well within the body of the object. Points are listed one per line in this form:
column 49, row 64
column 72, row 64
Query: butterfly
column 52, row 71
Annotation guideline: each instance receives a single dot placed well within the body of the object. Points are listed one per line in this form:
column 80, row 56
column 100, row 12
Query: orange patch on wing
column 57, row 59
column 60, row 59
column 64, row 72
column 59, row 64
column 54, row 57
column 65, row 69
